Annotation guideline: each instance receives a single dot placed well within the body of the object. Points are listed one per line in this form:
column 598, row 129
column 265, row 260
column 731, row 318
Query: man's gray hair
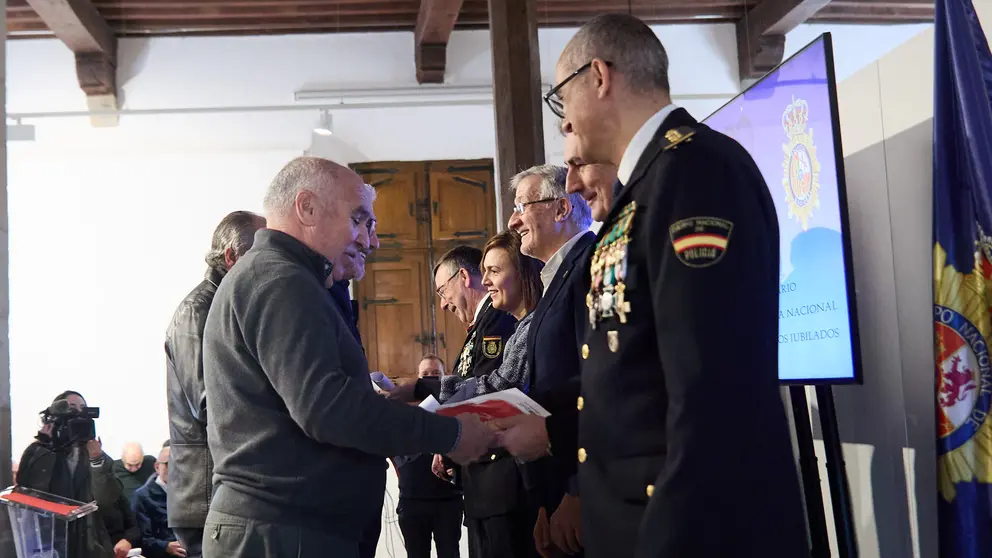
column 370, row 191
column 553, row 186
column 302, row 173
column 235, row 231
column 464, row 257
column 629, row 44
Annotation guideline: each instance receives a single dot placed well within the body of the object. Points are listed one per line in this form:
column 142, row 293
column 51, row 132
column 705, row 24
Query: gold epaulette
column 676, row 136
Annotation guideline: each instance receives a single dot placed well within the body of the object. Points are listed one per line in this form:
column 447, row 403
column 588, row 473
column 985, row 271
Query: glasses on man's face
column 444, row 286
column 519, row 208
column 553, row 99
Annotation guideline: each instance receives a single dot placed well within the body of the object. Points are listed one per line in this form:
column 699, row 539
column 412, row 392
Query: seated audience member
column 513, row 282
column 428, row 505
column 80, row 470
column 157, row 540
column 133, row 468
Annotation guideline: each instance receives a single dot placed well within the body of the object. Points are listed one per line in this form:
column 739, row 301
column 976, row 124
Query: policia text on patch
column 700, row 241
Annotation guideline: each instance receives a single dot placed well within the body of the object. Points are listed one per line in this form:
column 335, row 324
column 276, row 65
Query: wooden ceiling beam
column 761, row 33
column 79, row 25
column 148, row 18
column 435, row 22
column 885, row 11
column 516, row 93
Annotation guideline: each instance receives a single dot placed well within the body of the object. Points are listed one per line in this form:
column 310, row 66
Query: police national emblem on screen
column 962, row 329
column 802, row 170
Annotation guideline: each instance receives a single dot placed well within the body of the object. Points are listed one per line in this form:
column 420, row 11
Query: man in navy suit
column 345, row 268
column 554, row 228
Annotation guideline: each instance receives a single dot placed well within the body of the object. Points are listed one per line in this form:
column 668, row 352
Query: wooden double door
column 423, row 209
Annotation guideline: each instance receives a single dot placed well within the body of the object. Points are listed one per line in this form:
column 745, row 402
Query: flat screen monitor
column 788, row 121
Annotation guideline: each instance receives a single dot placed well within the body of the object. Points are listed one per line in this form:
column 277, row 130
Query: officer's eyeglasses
column 554, row 101
column 519, row 208
column 444, row 286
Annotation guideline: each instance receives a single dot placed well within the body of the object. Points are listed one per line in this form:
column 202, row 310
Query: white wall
column 108, row 226
column 888, row 423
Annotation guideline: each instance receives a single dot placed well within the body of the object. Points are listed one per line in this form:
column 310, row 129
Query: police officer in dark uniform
column 684, row 447
column 492, row 486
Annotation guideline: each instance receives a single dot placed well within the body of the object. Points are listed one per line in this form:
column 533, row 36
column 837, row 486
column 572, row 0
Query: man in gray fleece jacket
column 295, row 426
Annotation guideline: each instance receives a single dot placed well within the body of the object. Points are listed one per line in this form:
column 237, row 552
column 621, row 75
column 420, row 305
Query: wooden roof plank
column 246, row 17
column 77, row 23
column 435, row 21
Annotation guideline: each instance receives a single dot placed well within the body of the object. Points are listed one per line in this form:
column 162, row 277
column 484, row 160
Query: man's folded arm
column 295, row 334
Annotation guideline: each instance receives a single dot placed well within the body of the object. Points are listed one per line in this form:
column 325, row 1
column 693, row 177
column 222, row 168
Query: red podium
column 40, row 521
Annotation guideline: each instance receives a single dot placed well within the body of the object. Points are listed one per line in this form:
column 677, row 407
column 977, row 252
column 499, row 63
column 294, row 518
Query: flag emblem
column 962, row 290
column 962, row 328
column 700, row 241
column 801, row 168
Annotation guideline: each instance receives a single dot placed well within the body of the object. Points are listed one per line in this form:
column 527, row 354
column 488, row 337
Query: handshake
column 524, row 436
column 475, row 440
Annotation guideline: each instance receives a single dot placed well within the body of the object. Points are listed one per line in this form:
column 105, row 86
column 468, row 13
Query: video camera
column 69, row 424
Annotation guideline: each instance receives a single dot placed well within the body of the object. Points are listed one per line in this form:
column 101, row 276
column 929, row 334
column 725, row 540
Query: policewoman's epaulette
column 676, row 136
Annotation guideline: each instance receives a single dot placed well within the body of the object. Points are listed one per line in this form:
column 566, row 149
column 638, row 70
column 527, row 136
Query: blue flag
column 962, row 267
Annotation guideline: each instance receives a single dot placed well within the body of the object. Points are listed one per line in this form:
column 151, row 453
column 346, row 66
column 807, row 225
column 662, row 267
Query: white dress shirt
column 478, row 308
column 551, row 268
column 638, row 143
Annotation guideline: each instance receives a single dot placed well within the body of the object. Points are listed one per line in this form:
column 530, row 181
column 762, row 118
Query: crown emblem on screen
column 795, row 117
column 801, row 168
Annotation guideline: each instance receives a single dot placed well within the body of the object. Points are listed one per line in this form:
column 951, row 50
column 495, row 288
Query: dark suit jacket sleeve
column 563, row 424
column 331, row 404
column 705, row 337
column 150, row 544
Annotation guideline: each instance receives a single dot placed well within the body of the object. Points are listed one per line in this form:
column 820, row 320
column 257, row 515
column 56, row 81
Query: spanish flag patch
column 700, row 241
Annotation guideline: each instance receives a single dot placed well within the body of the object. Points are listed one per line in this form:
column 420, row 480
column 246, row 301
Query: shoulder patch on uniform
column 700, row 241
column 492, row 347
column 675, row 136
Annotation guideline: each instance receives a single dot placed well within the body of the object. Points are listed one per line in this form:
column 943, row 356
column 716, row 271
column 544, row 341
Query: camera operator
column 68, row 460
